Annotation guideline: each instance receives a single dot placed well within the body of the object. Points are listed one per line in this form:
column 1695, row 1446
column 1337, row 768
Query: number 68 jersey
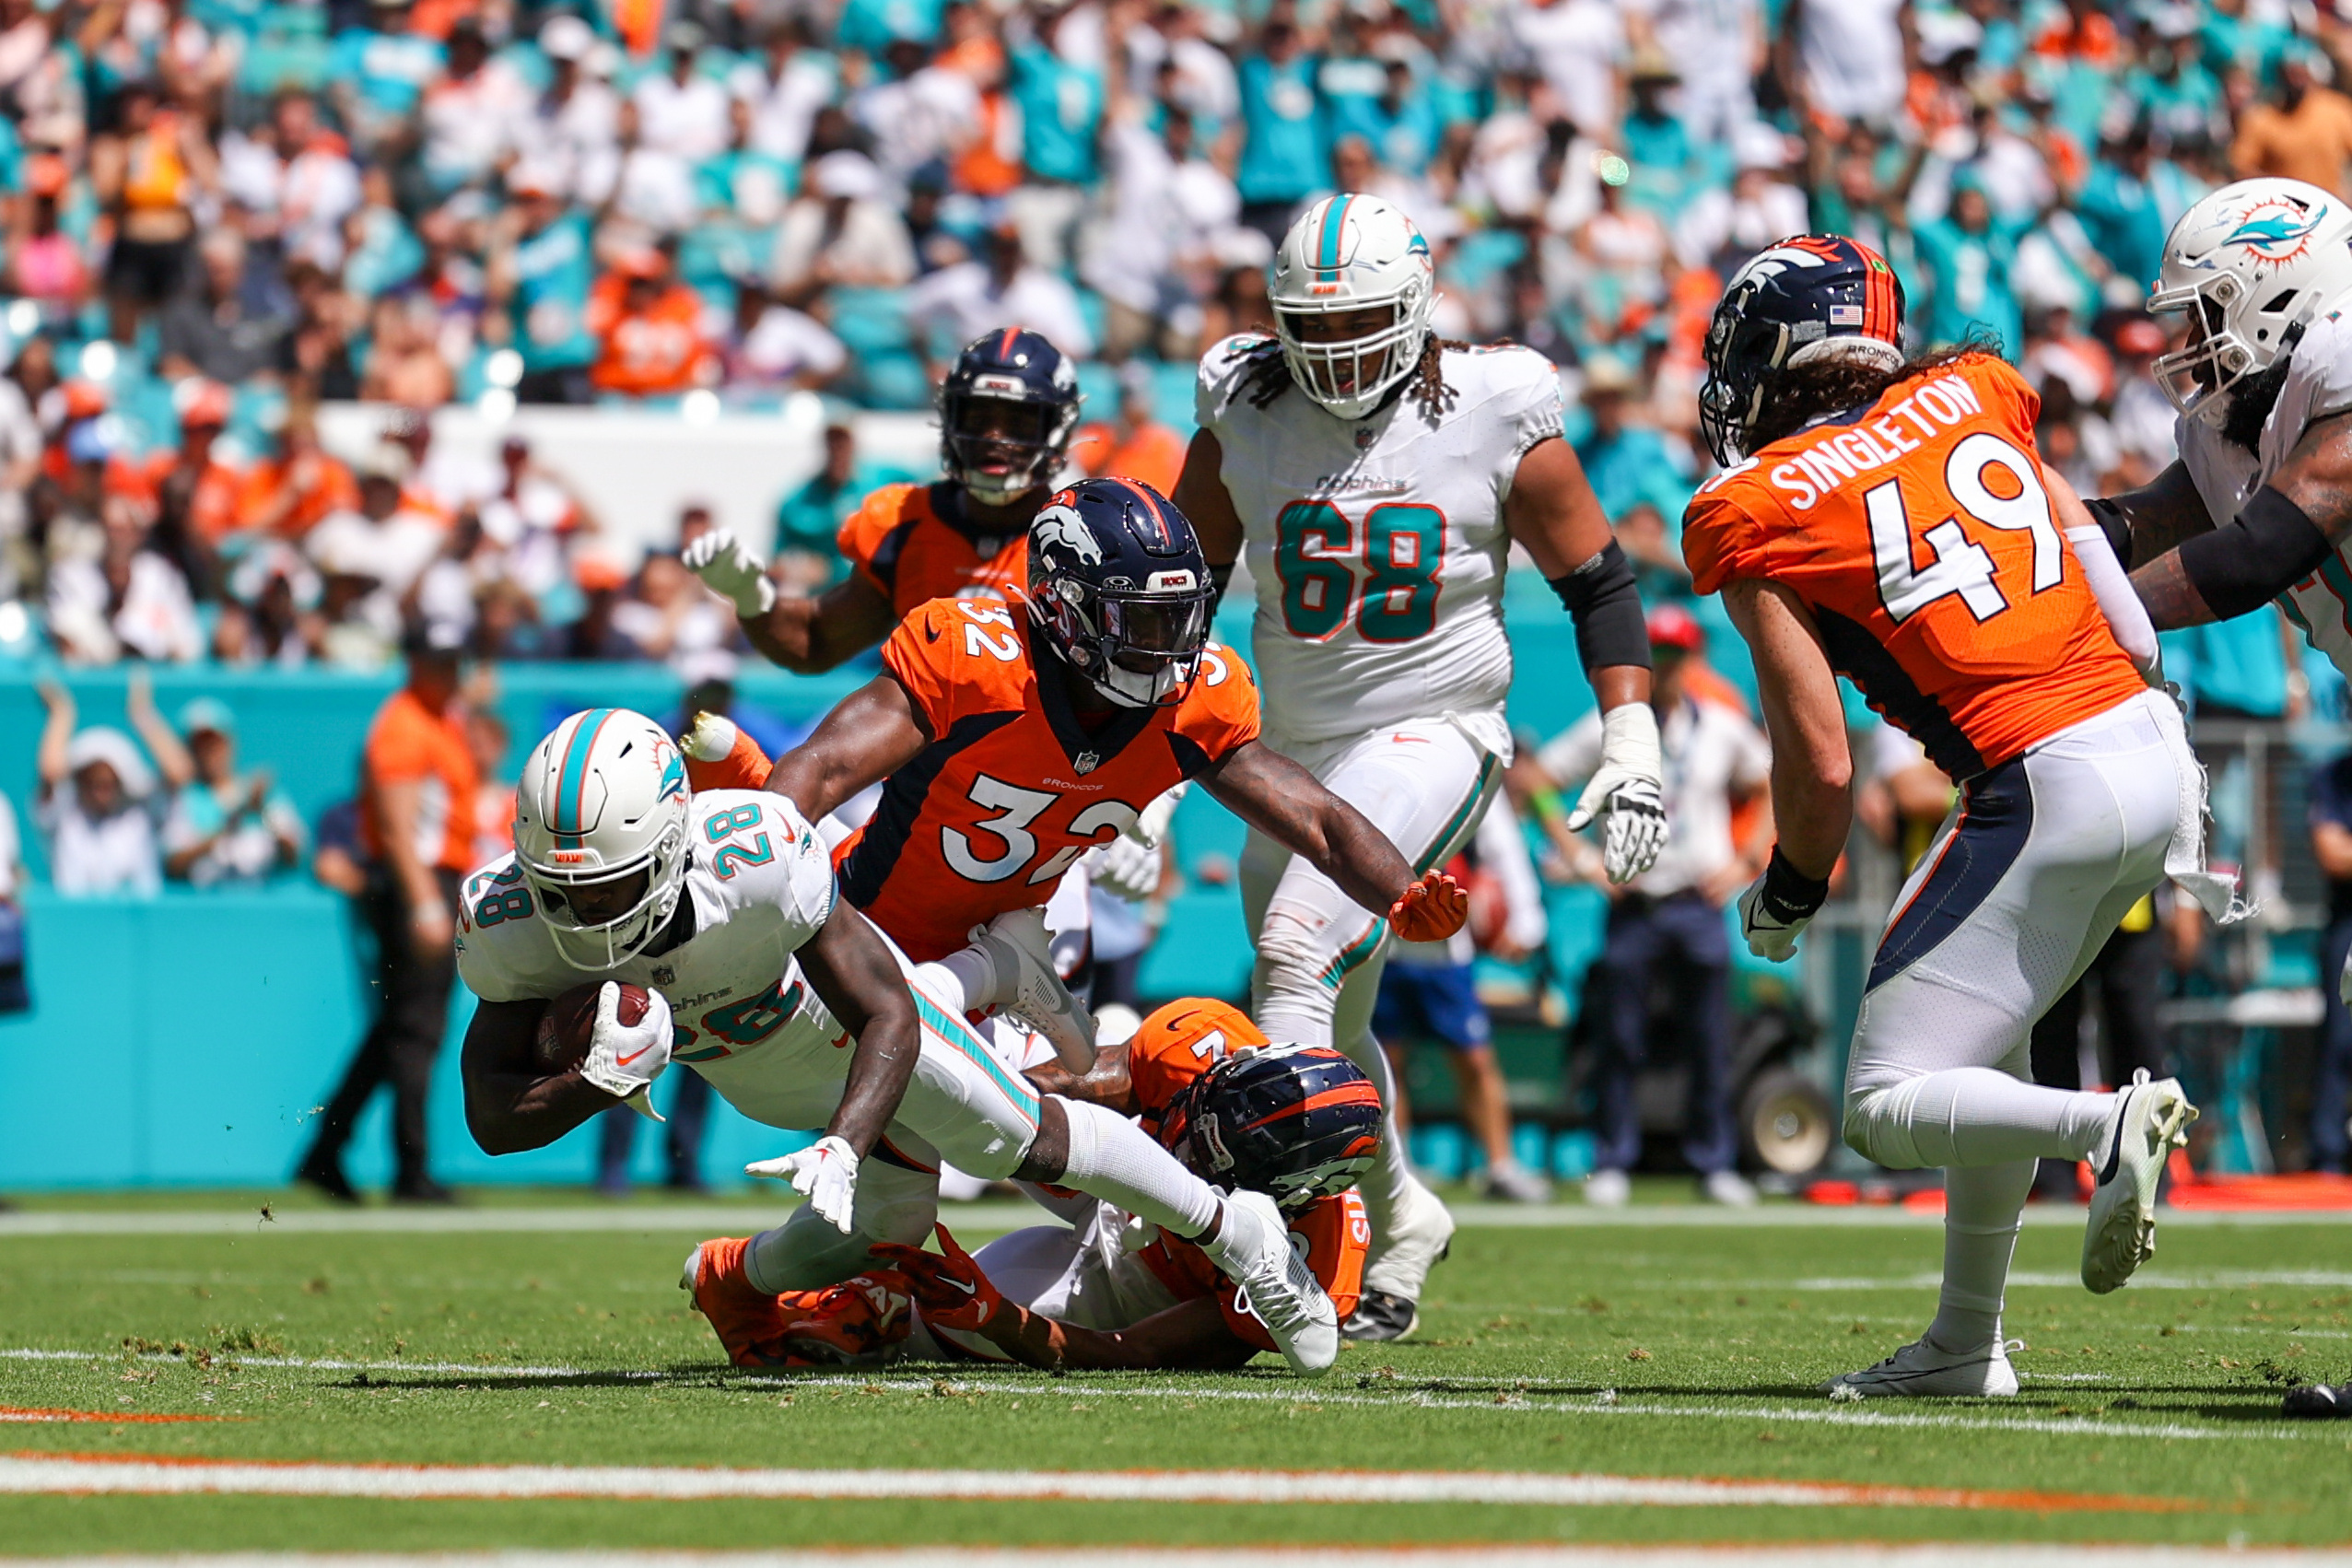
column 1918, row 533
column 1377, row 545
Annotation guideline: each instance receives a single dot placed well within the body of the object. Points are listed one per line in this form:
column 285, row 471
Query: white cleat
column 2151, row 1120
column 1019, row 951
column 1922, row 1371
column 1728, row 1187
column 1253, row 1248
column 1419, row 1230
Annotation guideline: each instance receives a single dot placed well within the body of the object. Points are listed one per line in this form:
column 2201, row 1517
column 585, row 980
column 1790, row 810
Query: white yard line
column 735, row 1220
column 1511, row 1396
column 92, row 1474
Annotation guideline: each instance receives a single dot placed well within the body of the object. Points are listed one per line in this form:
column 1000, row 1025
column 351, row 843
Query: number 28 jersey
column 1377, row 545
column 1919, row 534
column 1012, row 789
column 760, row 886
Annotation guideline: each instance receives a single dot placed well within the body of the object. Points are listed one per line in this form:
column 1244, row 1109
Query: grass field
column 1639, row 1349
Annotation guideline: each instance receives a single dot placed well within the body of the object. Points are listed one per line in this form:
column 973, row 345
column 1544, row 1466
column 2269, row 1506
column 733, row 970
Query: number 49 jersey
column 1012, row 788
column 1377, row 545
column 1919, row 534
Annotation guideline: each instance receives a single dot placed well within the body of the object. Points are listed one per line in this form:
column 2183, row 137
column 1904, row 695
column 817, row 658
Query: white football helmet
column 2256, row 261
column 1353, row 252
column 603, row 798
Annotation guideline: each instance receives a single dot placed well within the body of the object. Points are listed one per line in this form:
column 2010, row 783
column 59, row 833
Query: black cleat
column 1380, row 1316
column 2317, row 1401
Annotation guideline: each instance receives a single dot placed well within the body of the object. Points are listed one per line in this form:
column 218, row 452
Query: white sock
column 1973, row 1116
column 962, row 981
column 1384, row 1188
column 1984, row 1207
column 1116, row 1161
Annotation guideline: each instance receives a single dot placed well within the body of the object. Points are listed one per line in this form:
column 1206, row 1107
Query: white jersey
column 2319, row 384
column 1378, row 546
column 761, row 884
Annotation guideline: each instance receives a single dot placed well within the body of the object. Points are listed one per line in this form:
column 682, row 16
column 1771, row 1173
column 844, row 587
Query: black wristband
column 2115, row 524
column 1220, row 578
column 1607, row 608
column 1789, row 895
column 2270, row 546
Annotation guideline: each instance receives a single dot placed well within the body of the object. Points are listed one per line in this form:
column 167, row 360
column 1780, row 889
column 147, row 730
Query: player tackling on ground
column 1891, row 521
column 2260, row 503
column 1378, row 479
column 722, row 907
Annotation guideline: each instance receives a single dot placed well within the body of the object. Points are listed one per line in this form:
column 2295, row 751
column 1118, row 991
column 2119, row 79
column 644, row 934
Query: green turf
column 1711, row 1336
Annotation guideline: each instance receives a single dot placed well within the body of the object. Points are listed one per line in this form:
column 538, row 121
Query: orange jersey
column 910, row 542
column 1011, row 789
column 1176, row 1044
column 1919, row 534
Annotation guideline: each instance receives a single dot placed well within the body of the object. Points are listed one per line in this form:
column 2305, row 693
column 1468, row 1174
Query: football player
column 723, row 908
column 1298, row 1123
column 1889, row 521
column 1009, row 744
column 1007, row 412
column 1378, row 479
column 2259, row 507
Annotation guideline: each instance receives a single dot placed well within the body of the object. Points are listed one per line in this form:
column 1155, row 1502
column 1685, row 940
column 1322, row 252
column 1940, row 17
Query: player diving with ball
column 722, row 909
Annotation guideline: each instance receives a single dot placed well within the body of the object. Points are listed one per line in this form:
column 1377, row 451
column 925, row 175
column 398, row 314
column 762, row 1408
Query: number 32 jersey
column 1377, row 545
column 1919, row 534
column 1012, row 789
column 760, row 886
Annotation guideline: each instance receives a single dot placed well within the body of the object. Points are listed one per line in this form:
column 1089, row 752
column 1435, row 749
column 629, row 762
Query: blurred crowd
column 222, row 212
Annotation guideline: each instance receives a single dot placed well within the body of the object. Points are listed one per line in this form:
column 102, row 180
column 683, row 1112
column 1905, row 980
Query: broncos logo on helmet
column 1118, row 588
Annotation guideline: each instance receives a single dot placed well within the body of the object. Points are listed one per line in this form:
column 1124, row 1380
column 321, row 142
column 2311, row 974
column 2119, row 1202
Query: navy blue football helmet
column 1810, row 297
column 1294, row 1122
column 1118, row 586
column 1007, row 413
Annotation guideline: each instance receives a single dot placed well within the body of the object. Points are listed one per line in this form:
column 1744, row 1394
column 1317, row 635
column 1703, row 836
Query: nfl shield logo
column 1366, row 434
column 1085, row 762
column 664, row 975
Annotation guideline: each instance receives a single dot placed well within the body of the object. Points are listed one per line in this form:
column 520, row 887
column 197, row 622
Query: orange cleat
column 750, row 1323
column 719, row 755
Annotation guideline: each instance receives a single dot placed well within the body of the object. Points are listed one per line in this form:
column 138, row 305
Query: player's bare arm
column 510, row 1105
column 1812, row 790
column 1290, row 805
column 1200, row 494
column 2277, row 539
column 853, row 972
column 809, row 637
column 874, row 731
column 1552, row 512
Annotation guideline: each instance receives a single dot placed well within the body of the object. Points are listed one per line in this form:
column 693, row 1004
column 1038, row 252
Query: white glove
column 625, row 1059
column 1629, row 789
column 825, row 1173
column 732, row 571
column 1125, row 869
column 1770, row 916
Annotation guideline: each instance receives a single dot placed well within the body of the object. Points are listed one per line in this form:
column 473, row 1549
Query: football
column 570, row 1020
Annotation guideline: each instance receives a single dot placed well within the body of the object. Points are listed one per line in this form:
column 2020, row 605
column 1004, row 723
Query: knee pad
column 1877, row 1127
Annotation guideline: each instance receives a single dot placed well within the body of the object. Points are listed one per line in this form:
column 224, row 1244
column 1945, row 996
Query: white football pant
column 1425, row 785
column 2023, row 885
